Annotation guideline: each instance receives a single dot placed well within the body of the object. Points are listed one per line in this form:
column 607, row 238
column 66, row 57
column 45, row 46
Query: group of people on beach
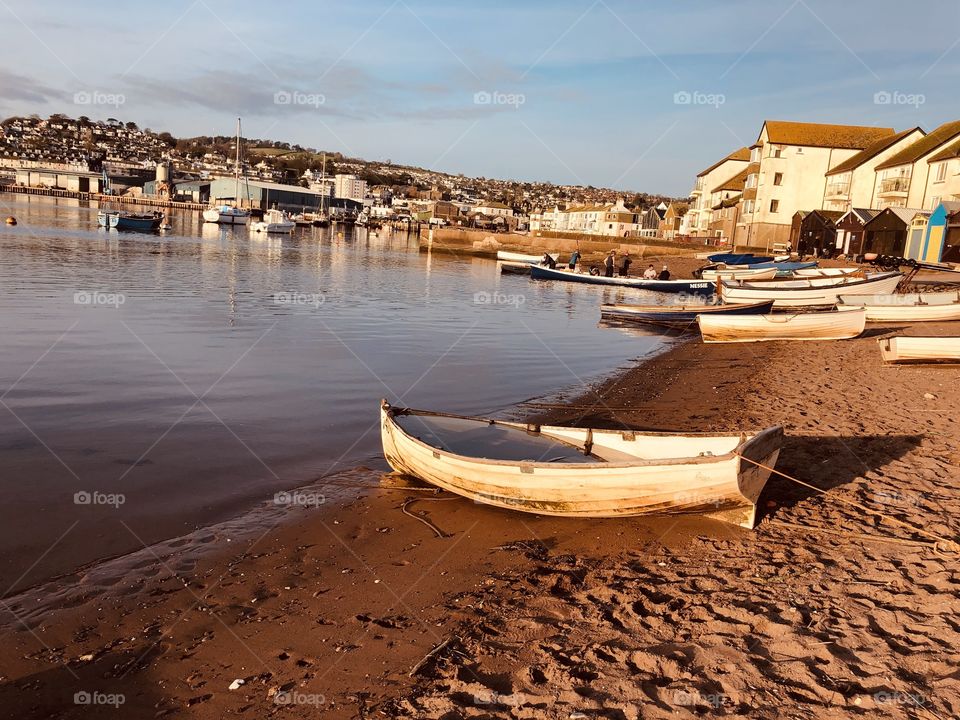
column 609, row 266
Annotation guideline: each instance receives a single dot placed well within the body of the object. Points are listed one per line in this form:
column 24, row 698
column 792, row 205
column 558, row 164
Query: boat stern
column 758, row 456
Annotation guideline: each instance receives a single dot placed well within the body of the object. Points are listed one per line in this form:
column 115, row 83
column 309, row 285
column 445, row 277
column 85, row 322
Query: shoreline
column 527, row 616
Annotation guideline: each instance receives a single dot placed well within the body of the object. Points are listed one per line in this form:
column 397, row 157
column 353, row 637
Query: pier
column 99, row 197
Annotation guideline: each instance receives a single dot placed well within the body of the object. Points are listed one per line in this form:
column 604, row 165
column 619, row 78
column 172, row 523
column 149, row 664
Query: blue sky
column 633, row 95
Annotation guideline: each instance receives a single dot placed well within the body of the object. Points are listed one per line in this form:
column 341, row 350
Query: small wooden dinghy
column 510, row 267
column 827, row 272
column 582, row 472
column 747, row 273
column 808, row 292
column 910, row 307
column 833, row 325
column 904, row 349
column 678, row 316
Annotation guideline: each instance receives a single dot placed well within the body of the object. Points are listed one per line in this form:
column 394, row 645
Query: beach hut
column 887, row 233
column 850, row 230
column 818, row 233
column 941, row 242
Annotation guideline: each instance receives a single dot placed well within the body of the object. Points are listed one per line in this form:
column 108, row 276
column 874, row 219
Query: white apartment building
column 349, row 187
column 852, row 183
column 787, row 171
column 494, row 209
column 904, row 179
column 943, row 179
column 697, row 220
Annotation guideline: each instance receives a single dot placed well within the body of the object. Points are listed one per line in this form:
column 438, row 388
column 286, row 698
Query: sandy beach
column 824, row 610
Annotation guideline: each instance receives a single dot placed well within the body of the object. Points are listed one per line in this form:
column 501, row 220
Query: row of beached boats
column 590, row 472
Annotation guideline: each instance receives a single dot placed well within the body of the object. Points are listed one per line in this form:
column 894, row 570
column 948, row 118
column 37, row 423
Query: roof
column 494, row 204
column 925, row 145
column 854, row 137
column 948, row 153
column 862, row 214
column 831, row 215
column 906, row 215
column 951, row 206
column 870, row 152
column 728, row 203
column 741, row 155
column 737, row 182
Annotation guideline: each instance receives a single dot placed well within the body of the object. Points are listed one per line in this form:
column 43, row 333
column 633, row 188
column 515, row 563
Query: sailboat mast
column 236, row 168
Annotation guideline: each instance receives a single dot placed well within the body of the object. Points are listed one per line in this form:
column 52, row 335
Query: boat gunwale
column 745, row 285
column 746, row 438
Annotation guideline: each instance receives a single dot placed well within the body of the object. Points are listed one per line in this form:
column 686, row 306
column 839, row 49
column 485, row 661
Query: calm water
column 198, row 372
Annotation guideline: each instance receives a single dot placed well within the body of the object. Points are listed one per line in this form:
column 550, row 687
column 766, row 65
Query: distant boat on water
column 274, row 221
column 224, row 214
column 117, row 220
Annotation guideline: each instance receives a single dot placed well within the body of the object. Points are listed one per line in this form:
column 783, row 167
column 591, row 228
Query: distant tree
column 167, row 139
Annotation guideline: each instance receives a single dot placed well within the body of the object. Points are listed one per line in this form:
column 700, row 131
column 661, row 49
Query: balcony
column 698, row 188
column 895, row 187
column 838, row 190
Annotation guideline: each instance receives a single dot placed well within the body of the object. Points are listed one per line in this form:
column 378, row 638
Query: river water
column 152, row 384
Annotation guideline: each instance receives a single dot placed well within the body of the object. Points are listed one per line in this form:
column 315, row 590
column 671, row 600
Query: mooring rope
column 939, row 543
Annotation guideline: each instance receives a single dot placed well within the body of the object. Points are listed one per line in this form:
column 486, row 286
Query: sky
column 638, row 95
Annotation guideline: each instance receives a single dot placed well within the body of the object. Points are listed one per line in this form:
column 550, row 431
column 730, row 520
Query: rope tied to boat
column 939, row 543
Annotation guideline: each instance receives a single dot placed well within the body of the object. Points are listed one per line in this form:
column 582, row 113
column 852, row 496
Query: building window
column 934, row 202
column 774, row 205
column 776, row 151
column 799, row 151
column 778, row 178
column 941, row 172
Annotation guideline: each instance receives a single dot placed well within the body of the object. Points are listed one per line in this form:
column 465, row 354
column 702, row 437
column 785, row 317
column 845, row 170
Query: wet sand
column 823, row 610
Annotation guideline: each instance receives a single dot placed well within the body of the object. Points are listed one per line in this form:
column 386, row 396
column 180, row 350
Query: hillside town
column 111, row 157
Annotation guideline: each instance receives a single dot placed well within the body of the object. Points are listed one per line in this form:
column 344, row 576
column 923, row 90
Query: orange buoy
column 11, row 220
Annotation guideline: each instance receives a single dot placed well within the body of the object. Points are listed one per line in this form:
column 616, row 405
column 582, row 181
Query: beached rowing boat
column 523, row 257
column 904, row 349
column 739, row 259
column 833, row 325
column 747, row 273
column 582, row 472
column 809, row 292
column 826, row 272
column 677, row 316
column 910, row 307
column 692, row 287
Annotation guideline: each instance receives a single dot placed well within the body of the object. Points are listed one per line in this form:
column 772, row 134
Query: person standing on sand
column 608, row 263
column 625, row 265
column 650, row 273
column 664, row 274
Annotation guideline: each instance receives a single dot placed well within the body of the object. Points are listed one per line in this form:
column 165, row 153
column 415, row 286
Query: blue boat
column 681, row 317
column 742, row 259
column 692, row 287
column 129, row 221
column 785, row 269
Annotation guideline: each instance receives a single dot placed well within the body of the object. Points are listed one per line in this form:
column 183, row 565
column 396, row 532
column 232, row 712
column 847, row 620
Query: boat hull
column 724, row 485
column 903, row 349
column 739, row 274
column 507, row 256
column 214, row 215
column 739, row 259
column 839, row 325
column 807, row 293
column 691, row 287
column 682, row 316
column 911, row 307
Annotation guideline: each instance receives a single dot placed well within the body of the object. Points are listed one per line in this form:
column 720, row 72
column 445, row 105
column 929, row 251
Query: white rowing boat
column 808, row 292
column 582, row 472
column 826, row 272
column 909, row 307
column 523, row 257
column 740, row 273
column 833, row 325
column 904, row 349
